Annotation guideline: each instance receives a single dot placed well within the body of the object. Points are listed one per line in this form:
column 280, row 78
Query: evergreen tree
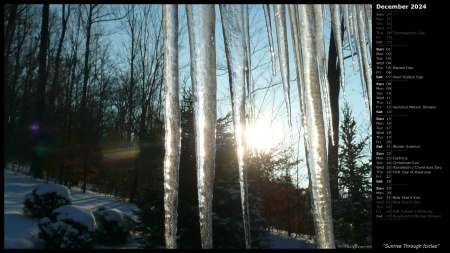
column 353, row 212
column 228, row 231
column 150, row 227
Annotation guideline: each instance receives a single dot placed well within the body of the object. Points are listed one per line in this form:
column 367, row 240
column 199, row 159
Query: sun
column 263, row 136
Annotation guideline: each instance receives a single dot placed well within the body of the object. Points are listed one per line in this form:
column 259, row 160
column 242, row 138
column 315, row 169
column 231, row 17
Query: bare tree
column 37, row 162
column 95, row 13
column 9, row 11
column 55, row 83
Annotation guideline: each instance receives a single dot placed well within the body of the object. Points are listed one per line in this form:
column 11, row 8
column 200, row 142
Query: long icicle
column 362, row 42
column 317, row 155
column 269, row 32
column 246, row 31
column 293, row 15
column 248, row 61
column 248, row 79
column 283, row 57
column 172, row 123
column 348, row 30
column 321, row 60
column 351, row 20
column 235, row 44
column 336, row 23
column 359, row 55
column 368, row 21
column 201, row 29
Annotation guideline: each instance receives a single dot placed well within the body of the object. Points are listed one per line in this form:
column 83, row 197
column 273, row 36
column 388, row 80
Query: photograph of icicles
column 307, row 30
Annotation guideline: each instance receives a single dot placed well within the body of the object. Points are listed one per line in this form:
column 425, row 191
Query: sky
column 20, row 231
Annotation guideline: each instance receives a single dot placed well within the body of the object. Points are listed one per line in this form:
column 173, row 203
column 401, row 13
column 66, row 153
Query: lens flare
column 117, row 153
column 34, row 128
column 263, row 136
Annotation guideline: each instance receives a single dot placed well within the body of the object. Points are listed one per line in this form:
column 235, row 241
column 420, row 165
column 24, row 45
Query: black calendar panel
column 410, row 135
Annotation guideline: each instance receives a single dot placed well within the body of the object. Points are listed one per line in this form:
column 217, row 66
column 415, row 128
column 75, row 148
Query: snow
column 60, row 190
column 112, row 215
column 284, row 242
column 21, row 232
column 82, row 215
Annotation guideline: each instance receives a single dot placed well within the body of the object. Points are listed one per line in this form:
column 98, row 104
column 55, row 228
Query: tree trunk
column 333, row 79
column 83, row 123
column 55, row 83
column 37, row 160
column 7, row 94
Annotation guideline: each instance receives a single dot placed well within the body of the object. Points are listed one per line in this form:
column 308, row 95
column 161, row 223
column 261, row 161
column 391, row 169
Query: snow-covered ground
column 20, row 231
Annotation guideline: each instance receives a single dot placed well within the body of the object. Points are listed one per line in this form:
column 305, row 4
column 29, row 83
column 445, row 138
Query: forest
column 85, row 104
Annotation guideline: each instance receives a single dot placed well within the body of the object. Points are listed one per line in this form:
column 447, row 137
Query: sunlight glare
column 263, row 136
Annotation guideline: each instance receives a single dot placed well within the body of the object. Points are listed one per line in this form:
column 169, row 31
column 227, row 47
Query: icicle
column 236, row 45
column 317, row 156
column 360, row 62
column 283, row 57
column 362, row 43
column 368, row 21
column 321, row 61
column 336, row 23
column 248, row 67
column 320, row 45
column 246, row 31
column 269, row 31
column 201, row 25
column 350, row 15
column 349, row 34
column 172, row 123
column 293, row 15
column 354, row 21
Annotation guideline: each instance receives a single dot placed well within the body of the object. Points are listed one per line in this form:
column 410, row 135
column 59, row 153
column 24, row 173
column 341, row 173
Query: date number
column 418, row 6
